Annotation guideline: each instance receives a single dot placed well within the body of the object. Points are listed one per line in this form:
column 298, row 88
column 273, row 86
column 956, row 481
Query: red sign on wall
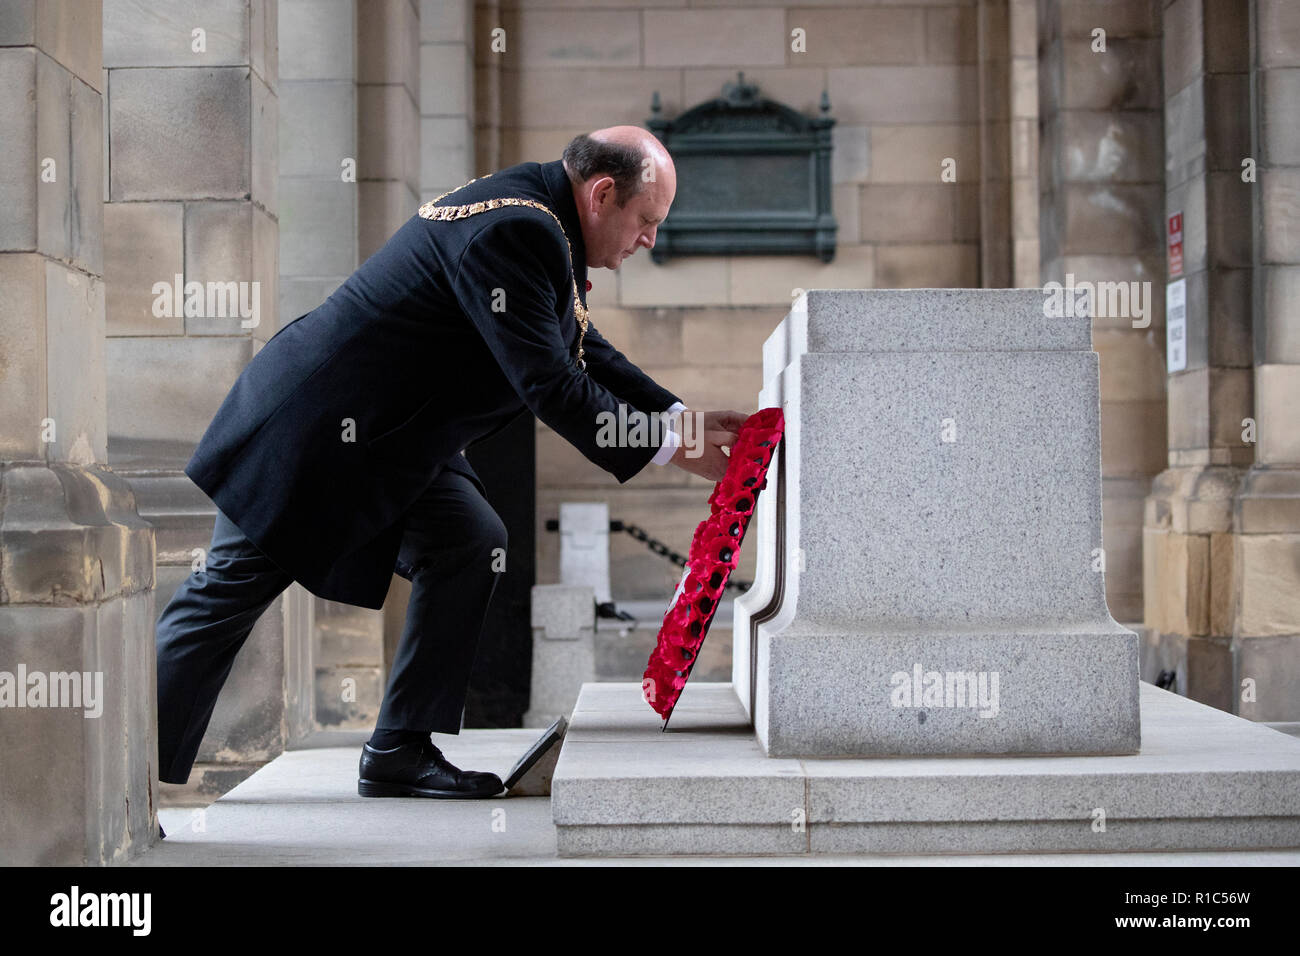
column 1175, row 245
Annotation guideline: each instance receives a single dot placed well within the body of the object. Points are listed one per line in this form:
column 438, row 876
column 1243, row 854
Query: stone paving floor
column 302, row 809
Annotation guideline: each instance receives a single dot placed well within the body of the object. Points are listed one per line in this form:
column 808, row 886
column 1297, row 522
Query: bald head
column 623, row 183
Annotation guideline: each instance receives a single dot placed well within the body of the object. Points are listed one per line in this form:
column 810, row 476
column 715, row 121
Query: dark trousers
column 448, row 554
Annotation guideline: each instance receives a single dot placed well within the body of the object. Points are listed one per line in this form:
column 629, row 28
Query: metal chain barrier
column 655, row 545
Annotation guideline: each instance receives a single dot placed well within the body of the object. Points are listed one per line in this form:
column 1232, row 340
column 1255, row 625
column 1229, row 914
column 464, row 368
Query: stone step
column 1203, row 780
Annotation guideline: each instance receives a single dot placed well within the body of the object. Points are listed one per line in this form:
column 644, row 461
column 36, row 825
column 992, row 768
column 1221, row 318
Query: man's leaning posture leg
column 452, row 553
column 198, row 636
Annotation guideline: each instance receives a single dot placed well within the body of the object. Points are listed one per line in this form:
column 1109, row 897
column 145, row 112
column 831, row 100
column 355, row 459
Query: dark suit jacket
column 410, row 351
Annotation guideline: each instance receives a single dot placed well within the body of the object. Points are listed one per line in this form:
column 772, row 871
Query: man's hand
column 704, row 435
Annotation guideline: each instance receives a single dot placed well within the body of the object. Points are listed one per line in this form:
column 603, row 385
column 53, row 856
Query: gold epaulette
column 430, row 210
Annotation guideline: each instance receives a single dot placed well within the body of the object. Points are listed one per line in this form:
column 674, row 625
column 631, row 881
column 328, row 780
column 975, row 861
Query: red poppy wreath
column 714, row 554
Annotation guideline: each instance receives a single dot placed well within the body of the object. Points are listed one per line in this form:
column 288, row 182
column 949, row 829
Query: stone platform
column 1203, row 780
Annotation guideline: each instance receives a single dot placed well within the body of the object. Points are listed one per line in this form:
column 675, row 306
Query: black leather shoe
column 420, row 770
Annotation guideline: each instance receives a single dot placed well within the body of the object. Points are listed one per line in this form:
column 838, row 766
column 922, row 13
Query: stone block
column 688, row 281
column 730, row 337
column 68, row 31
column 1184, row 44
column 388, row 144
column 318, row 127
column 1105, row 148
column 851, row 155
column 20, row 189
column 317, row 227
column 159, row 152
column 848, row 36
column 1132, row 368
column 711, row 38
column 139, row 33
column 300, row 296
column 1279, row 34
column 1268, row 595
column 445, row 149
column 846, row 207
column 145, row 245
column 264, row 145
column 537, row 100
column 1209, row 672
column 1227, row 121
column 23, row 331
column 264, row 40
column 648, row 336
column 1280, row 137
column 388, row 44
column 444, row 22
column 903, row 94
column 1271, row 663
column 915, row 154
column 1280, row 197
column 1268, row 502
column 910, row 213
column 444, row 79
column 772, row 280
column 527, row 145
column 163, row 392
column 945, row 265
column 382, row 207
column 348, row 697
column 950, row 35
column 74, row 339
column 1281, row 314
column 47, row 639
column 318, row 39
column 1116, row 217
column 223, row 248
column 1125, row 77
column 1120, row 18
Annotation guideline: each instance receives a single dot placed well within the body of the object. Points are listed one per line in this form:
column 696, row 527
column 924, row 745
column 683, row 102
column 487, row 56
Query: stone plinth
column 931, row 533
column 1204, row 780
column 564, row 628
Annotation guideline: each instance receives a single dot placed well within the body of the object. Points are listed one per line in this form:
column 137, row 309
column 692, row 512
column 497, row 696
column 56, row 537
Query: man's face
column 619, row 231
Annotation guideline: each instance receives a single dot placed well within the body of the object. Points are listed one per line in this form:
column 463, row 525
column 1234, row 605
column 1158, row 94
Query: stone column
column 1264, row 606
column 446, row 95
column 1101, row 214
column 1023, row 30
column 1187, row 534
column 929, row 575
column 193, row 170
column 78, row 735
column 388, row 119
column 319, row 174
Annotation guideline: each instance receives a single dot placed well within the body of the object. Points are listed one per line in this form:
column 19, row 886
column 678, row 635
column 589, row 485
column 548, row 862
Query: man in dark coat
column 336, row 459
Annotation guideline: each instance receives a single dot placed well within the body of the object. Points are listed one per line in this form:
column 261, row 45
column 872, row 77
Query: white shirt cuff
column 672, row 440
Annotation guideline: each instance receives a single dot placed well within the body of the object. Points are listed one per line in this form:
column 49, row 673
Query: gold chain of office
column 430, row 210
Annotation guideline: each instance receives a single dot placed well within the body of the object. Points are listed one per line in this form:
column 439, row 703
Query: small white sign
column 1176, row 325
